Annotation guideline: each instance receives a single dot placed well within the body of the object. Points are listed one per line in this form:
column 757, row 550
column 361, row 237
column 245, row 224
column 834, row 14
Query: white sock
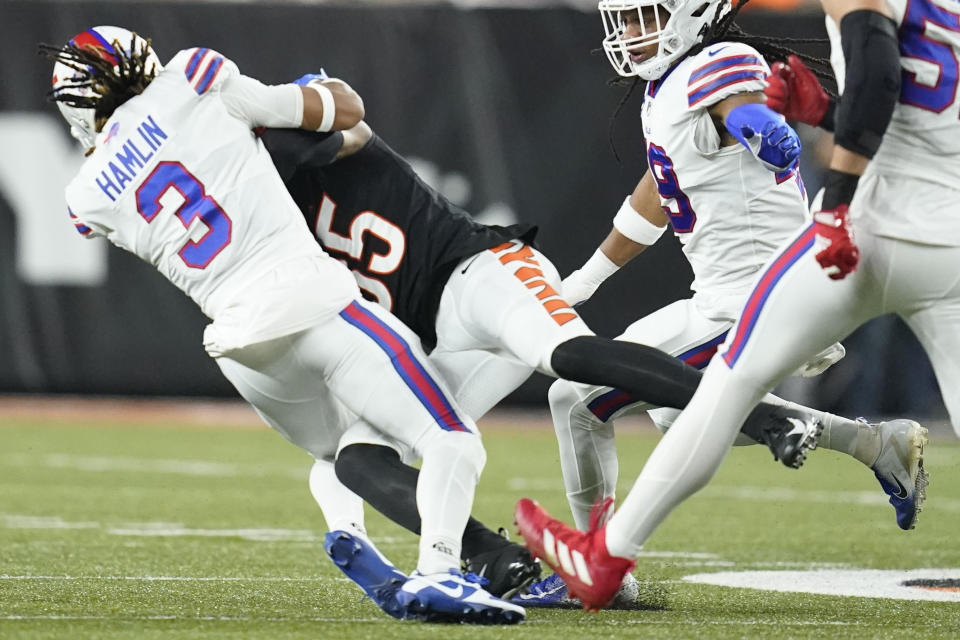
column 588, row 451
column 342, row 508
column 686, row 458
column 451, row 467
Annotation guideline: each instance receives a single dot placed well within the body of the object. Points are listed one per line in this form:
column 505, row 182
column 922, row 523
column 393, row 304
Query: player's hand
column 795, row 91
column 576, row 288
column 838, row 254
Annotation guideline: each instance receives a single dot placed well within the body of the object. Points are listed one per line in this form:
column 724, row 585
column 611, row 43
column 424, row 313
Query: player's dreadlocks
column 112, row 83
column 723, row 28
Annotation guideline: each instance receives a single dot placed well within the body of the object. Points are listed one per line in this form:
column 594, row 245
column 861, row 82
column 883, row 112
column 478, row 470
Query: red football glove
column 794, row 90
column 838, row 254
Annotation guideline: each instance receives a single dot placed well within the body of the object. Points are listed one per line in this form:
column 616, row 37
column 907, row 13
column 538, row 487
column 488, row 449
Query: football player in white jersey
column 730, row 216
column 801, row 303
column 175, row 175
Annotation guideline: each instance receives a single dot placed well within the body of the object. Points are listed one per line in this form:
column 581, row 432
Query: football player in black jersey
column 488, row 304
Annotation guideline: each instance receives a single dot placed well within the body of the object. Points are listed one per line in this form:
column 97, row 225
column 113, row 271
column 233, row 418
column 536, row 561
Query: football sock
column 342, row 509
column 452, row 462
column 392, row 491
column 588, row 451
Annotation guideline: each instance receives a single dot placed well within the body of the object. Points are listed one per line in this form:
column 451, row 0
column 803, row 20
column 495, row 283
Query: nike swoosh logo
column 715, row 52
column 469, row 263
column 453, row 593
column 902, row 494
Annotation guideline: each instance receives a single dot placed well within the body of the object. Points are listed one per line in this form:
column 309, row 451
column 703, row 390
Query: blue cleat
column 551, row 592
column 899, row 468
column 451, row 597
column 371, row 571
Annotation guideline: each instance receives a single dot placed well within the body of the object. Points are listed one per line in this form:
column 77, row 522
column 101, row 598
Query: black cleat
column 508, row 568
column 790, row 435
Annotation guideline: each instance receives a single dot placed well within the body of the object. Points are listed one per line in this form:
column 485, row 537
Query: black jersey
column 399, row 236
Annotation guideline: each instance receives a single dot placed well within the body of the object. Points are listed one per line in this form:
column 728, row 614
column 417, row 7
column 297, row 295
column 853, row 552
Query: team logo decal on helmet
column 676, row 26
column 108, row 42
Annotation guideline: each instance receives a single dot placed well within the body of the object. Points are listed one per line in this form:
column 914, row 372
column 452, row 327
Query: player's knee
column 569, row 409
column 464, row 447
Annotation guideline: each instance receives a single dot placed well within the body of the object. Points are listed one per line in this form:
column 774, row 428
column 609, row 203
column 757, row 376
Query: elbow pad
column 872, row 57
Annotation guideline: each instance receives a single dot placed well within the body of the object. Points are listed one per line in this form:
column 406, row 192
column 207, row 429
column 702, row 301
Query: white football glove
column 580, row 285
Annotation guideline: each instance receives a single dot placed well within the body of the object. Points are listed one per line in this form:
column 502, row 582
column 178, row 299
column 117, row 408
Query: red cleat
column 579, row 557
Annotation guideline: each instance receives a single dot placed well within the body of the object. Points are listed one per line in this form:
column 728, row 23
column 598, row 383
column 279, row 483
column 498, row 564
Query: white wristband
column 630, row 223
column 329, row 106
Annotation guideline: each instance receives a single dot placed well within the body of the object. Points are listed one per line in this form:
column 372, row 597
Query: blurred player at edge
column 175, row 175
column 905, row 218
column 730, row 216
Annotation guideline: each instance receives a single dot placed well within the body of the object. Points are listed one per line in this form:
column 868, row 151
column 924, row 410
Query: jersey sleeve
column 722, row 70
column 246, row 98
column 86, row 230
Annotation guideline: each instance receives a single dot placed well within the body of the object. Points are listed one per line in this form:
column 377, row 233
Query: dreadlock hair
column 723, row 28
column 112, row 84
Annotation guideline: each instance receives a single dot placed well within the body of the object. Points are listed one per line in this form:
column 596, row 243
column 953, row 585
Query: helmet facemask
column 677, row 26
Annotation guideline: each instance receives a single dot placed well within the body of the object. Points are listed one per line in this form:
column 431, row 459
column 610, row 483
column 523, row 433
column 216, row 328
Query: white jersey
column 727, row 209
column 923, row 140
column 179, row 179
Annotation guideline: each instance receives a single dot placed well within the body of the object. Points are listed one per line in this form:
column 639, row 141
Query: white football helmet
column 679, row 26
column 107, row 41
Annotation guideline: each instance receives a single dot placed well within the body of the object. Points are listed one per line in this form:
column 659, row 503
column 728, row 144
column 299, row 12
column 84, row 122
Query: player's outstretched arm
column 330, row 105
column 637, row 225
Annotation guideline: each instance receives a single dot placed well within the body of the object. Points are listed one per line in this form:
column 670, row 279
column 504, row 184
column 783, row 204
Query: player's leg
column 930, row 277
column 583, row 415
column 374, row 364
column 507, row 299
column 766, row 344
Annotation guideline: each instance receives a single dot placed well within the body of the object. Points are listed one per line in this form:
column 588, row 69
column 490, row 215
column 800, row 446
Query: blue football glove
column 766, row 134
column 305, row 79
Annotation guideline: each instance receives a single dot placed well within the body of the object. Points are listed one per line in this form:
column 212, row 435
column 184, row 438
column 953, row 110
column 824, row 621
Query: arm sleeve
column 84, row 229
column 262, row 105
column 722, row 70
column 292, row 150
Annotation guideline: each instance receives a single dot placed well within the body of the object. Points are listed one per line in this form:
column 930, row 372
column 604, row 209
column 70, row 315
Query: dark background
column 516, row 101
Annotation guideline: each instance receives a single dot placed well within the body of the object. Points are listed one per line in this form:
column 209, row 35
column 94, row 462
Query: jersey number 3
column 193, row 203
column 366, row 222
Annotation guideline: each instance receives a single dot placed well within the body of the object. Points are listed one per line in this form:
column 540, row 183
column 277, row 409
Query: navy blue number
column 918, row 41
column 683, row 218
column 196, row 204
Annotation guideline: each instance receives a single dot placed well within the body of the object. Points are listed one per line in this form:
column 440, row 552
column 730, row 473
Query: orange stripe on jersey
column 532, row 278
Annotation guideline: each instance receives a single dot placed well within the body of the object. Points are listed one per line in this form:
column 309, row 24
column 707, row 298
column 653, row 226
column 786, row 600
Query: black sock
column 647, row 374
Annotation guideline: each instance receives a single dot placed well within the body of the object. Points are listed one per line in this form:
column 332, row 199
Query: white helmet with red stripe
column 107, row 42
column 675, row 26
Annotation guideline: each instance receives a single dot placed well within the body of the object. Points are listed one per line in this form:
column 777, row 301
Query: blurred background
column 503, row 105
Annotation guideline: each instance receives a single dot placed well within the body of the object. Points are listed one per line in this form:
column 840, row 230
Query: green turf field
column 119, row 530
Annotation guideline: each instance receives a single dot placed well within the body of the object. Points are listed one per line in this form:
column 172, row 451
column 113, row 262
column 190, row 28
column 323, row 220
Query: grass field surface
column 116, row 526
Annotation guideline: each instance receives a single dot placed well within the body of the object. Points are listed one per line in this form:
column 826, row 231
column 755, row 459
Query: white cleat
column 899, row 468
column 451, row 597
